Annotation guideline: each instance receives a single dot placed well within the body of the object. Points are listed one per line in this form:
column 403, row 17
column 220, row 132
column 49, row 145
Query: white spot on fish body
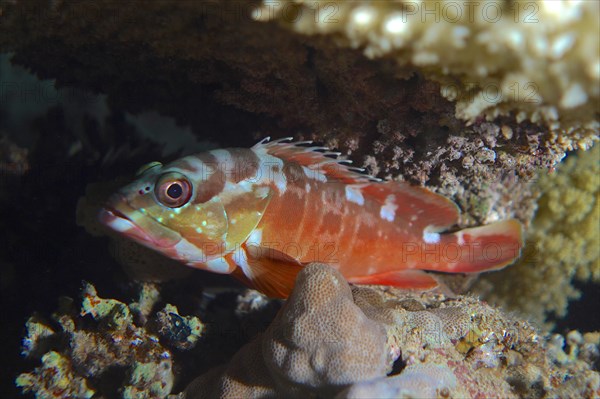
column 218, row 265
column 280, row 182
column 270, row 171
column 198, row 229
column 353, row 194
column 431, row 238
column 314, row 174
column 262, row 192
column 198, row 171
column 307, row 188
column 224, row 160
column 188, row 251
column 245, row 186
column 241, row 259
column 255, row 237
column 388, row 209
column 459, row 238
column 204, row 223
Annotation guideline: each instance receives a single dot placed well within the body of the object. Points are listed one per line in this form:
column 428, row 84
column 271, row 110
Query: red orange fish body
column 263, row 213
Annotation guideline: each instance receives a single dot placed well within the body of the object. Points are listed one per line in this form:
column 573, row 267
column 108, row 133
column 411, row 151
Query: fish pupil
column 175, row 190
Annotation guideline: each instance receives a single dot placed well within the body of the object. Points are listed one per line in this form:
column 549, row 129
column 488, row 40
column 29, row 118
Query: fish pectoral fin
column 272, row 275
column 405, row 279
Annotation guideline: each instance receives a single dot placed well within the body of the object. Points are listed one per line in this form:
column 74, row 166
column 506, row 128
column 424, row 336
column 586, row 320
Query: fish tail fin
column 480, row 249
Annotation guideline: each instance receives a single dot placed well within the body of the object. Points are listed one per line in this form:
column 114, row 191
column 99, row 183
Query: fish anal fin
column 273, row 275
column 405, row 279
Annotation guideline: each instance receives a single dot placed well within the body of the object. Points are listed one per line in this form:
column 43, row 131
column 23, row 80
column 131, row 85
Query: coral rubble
column 55, row 379
column 331, row 339
column 78, row 355
column 563, row 243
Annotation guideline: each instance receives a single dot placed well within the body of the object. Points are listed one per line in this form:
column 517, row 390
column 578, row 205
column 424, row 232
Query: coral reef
column 227, row 77
column 79, row 357
column 331, row 339
column 537, row 60
column 563, row 243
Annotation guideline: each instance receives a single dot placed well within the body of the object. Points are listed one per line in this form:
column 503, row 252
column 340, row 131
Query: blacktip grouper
column 263, row 213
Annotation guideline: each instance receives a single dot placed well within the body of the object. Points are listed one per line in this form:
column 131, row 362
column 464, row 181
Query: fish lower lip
column 122, row 224
column 115, row 219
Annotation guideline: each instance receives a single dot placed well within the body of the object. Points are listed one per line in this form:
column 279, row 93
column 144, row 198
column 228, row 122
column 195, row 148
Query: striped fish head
column 171, row 209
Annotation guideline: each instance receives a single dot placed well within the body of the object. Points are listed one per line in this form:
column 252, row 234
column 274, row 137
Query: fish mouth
column 125, row 220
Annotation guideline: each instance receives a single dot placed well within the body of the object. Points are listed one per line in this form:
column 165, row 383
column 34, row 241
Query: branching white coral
column 539, row 60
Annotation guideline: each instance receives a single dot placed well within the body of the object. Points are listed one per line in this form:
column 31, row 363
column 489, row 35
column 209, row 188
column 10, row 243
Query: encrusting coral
column 78, row 355
column 563, row 243
column 319, row 341
column 330, row 339
column 539, row 60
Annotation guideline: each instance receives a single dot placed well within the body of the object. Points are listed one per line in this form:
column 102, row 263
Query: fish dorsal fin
column 411, row 205
column 316, row 158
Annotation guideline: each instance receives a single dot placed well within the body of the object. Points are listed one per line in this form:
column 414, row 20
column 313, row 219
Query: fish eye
column 173, row 190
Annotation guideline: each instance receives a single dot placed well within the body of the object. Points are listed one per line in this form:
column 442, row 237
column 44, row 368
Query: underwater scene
column 299, row 199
